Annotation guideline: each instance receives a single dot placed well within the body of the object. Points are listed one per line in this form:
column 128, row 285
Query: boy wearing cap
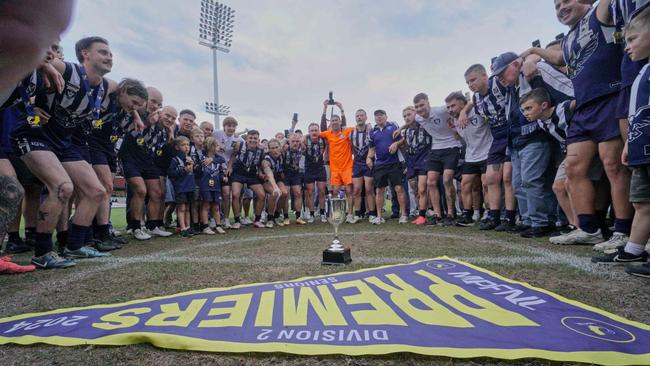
column 531, row 149
column 384, row 144
column 593, row 60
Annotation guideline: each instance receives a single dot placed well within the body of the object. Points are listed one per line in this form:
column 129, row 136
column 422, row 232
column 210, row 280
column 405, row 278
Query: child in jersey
column 181, row 173
column 213, row 169
column 197, row 155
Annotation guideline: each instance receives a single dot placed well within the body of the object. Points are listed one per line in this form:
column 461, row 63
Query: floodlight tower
column 215, row 31
column 221, row 110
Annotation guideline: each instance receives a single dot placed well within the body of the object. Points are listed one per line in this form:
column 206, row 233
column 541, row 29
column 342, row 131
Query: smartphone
column 286, row 133
column 537, row 44
column 331, row 100
column 295, row 117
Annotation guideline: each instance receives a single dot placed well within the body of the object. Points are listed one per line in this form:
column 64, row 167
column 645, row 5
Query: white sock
column 634, row 248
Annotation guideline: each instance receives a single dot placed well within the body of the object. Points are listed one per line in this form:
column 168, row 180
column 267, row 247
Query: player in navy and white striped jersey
column 49, row 153
column 417, row 142
column 593, row 61
column 273, row 168
column 362, row 175
column 488, row 101
column 315, row 172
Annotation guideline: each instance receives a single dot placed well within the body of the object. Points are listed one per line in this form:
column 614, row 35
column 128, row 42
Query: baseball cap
column 380, row 111
column 502, row 61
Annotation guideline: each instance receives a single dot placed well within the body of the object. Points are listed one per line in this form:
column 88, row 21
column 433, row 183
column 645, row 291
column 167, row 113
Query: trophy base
column 332, row 258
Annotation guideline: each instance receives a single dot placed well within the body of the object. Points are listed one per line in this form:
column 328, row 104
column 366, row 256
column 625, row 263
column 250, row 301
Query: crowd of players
column 556, row 142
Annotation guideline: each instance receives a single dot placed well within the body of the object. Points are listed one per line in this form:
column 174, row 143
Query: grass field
column 168, row 266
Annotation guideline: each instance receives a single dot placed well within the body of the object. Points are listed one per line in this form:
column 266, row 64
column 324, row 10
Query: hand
column 154, row 117
column 228, row 172
column 207, row 161
column 52, row 78
column 44, row 116
column 139, row 126
column 624, row 155
column 396, row 134
column 370, row 163
column 450, row 123
column 462, row 120
column 528, row 52
column 393, row 147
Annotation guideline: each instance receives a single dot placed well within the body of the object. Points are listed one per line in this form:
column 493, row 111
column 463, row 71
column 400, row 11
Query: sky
column 287, row 55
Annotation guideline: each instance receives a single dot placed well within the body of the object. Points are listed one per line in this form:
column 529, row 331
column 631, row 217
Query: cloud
column 287, row 54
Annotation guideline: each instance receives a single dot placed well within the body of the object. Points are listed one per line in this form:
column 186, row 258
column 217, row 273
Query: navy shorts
column 360, row 169
column 25, row 176
column 101, row 157
column 246, row 179
column 210, row 196
column 293, row 179
column 24, row 145
column 623, row 103
column 315, row 174
column 443, row 159
column 416, row 168
column 497, row 153
column 3, row 155
column 146, row 172
column 479, row 167
column 595, row 121
column 84, row 152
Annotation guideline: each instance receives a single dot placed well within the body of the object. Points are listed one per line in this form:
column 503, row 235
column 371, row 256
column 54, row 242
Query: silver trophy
column 336, row 253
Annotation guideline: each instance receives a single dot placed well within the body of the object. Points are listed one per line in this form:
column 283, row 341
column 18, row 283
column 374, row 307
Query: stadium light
column 215, row 31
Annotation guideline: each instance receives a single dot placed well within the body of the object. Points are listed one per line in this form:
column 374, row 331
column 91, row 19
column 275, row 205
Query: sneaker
column 269, row 224
column 84, row 252
column 464, row 221
column 300, row 221
column 263, row 216
column 246, row 221
column 433, row 220
column 349, row 219
column 129, row 231
column 430, row 213
column 476, row 216
column 258, row 225
column 449, row 221
column 52, row 260
column 187, row 233
column 159, row 231
column 323, row 219
column 403, row 219
column 19, row 246
column 506, row 227
column 577, row 237
column 9, row 267
column 371, row 218
column 219, row 230
column 118, row 240
column 421, row 220
column 212, row 223
column 620, row 256
column 226, row 224
column 140, row 234
column 376, row 220
column 310, row 219
column 279, row 222
column 287, row 222
column 536, row 232
column 236, row 226
column 352, row 219
column 491, row 224
column 614, row 242
column 639, row 271
column 519, row 228
column 208, row 231
column 102, row 245
column 394, row 215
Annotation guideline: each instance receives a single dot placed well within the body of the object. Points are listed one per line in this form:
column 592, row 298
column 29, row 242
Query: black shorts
column 146, row 172
column 443, row 159
column 315, row 174
column 293, row 179
column 101, row 157
column 243, row 178
column 25, row 176
column 184, row 197
column 497, row 153
column 479, row 167
column 388, row 174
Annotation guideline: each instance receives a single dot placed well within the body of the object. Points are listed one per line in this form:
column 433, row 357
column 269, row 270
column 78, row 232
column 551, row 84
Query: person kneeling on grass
column 181, row 172
column 213, row 169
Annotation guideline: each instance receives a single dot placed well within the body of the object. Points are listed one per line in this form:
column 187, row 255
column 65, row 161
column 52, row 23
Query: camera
column 331, row 99
column 537, row 44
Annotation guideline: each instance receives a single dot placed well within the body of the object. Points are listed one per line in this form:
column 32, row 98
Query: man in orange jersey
column 340, row 153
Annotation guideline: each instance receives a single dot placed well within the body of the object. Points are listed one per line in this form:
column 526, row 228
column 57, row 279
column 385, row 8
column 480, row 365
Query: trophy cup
column 336, row 254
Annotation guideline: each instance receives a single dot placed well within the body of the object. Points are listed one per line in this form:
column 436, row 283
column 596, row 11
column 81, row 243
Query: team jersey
column 340, row 148
column 639, row 133
column 276, row 165
column 492, row 107
column 18, row 107
column 182, row 180
column 212, row 175
column 294, row 161
column 418, row 141
column 314, row 151
column 228, row 143
column 70, row 111
column 477, row 137
column 160, row 147
column 593, row 59
column 134, row 148
column 557, row 125
column 439, row 126
column 248, row 160
column 115, row 122
column 360, row 144
column 622, row 12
